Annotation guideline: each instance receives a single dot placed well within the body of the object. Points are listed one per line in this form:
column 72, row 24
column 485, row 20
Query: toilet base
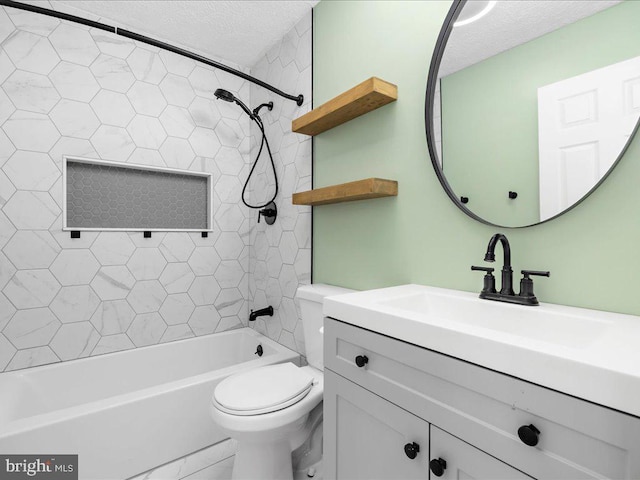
column 310, row 452
column 263, row 461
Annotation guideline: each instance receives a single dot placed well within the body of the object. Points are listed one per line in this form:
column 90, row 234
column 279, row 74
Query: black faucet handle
column 489, row 270
column 269, row 213
column 538, row 273
column 526, row 285
column 489, row 280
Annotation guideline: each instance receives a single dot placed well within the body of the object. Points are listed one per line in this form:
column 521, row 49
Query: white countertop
column 589, row 354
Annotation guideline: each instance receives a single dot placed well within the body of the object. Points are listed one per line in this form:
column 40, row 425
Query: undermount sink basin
column 586, row 353
column 460, row 310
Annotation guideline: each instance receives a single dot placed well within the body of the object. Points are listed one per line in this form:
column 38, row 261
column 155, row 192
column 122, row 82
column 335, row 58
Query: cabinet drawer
column 577, row 439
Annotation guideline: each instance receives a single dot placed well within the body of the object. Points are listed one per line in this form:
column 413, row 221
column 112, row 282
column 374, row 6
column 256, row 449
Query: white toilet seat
column 262, row 390
column 266, row 423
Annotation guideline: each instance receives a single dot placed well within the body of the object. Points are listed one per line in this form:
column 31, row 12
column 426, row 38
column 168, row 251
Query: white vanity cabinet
column 462, row 413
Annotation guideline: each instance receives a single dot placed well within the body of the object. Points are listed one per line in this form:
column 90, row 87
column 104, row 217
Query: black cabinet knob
column 529, row 435
column 362, row 360
column 437, row 466
column 411, row 450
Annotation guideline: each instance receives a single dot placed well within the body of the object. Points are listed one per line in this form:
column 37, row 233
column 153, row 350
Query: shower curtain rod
column 150, row 41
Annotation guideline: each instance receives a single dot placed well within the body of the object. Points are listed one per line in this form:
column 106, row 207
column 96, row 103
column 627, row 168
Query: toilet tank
column 311, row 298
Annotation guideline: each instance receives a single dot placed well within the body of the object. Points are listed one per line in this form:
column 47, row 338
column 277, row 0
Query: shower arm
column 299, row 99
column 262, row 105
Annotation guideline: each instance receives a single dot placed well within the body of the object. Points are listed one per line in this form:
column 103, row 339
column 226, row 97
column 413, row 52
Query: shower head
column 227, row 96
column 224, row 95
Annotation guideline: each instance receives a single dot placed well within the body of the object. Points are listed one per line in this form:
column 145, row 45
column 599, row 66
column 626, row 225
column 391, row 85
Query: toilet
column 272, row 410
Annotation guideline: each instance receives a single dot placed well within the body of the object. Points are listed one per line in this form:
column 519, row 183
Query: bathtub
column 127, row 412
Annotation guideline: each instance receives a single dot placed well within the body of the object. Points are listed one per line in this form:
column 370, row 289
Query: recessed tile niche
column 101, row 195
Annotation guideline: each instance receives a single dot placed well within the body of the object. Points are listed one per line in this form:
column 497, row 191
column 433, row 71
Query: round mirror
column 531, row 104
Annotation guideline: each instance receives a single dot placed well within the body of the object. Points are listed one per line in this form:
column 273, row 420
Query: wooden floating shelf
column 347, row 192
column 363, row 98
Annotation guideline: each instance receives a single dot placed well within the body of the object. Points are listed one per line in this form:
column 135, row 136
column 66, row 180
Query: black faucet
column 260, row 313
column 507, row 271
column 506, row 294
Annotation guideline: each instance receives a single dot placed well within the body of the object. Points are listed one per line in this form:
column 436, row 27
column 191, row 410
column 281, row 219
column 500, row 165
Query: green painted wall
column 420, row 236
column 495, row 102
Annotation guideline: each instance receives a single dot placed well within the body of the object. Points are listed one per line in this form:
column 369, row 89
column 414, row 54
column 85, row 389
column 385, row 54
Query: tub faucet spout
column 260, row 313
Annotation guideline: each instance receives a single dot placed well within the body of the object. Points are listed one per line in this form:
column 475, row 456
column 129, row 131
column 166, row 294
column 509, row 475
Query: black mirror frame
column 432, row 79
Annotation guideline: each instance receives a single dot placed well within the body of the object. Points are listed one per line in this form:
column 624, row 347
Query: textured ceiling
column 511, row 23
column 238, row 31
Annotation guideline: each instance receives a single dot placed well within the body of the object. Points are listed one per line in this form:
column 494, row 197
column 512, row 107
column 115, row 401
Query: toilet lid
column 262, row 390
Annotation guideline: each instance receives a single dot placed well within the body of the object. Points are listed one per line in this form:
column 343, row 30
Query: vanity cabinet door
column 368, row 438
column 464, row 461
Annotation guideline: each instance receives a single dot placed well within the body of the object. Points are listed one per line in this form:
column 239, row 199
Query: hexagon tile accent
column 113, row 317
column 31, row 171
column 146, row 329
column 106, row 196
column 31, row 52
column 75, row 304
column 113, row 108
column 21, row 86
column 146, row 296
column 75, row 267
column 31, row 131
column 113, row 283
column 32, row 328
column 29, row 249
column 146, row 264
column 113, row 248
column 31, row 288
column 75, row 340
column 68, row 90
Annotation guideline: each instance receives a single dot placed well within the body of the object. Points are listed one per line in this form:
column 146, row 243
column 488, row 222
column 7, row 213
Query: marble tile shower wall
column 280, row 257
column 69, row 89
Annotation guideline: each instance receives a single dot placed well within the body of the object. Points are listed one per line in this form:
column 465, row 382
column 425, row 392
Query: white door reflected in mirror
column 584, row 122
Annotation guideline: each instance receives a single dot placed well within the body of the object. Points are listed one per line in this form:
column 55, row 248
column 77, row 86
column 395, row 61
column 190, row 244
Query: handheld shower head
column 225, row 95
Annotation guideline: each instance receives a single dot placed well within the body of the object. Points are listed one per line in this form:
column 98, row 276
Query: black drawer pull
column 437, row 466
column 411, row 450
column 361, row 360
column 529, row 435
